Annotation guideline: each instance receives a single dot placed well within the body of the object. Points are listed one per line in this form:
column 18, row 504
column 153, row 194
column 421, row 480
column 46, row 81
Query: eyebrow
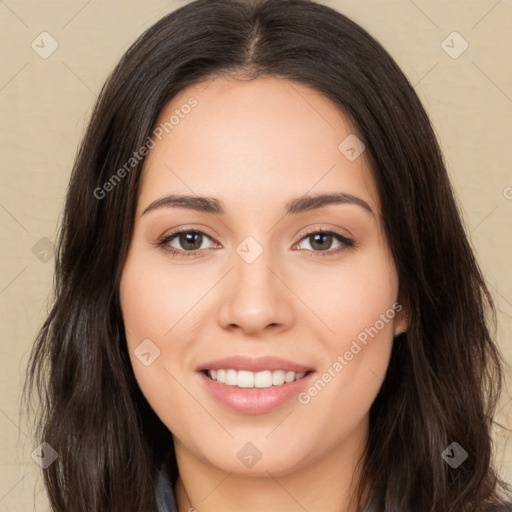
column 294, row 206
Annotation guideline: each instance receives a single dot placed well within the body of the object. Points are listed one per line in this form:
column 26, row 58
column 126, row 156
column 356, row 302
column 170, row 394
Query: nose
column 255, row 296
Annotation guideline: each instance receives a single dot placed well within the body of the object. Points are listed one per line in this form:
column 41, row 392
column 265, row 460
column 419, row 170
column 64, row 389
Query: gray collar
column 165, row 497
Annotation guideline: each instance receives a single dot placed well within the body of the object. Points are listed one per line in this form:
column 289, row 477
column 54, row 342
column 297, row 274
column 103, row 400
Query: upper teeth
column 246, row 379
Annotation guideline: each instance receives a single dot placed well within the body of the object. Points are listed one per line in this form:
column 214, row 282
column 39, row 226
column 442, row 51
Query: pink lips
column 254, row 400
column 254, row 364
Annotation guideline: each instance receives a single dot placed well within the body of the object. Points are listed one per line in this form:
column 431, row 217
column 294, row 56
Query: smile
column 262, row 396
column 248, row 379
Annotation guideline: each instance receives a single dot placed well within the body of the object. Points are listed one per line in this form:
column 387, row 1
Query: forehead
column 258, row 138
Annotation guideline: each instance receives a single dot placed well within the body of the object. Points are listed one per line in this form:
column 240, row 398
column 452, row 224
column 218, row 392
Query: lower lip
column 255, row 400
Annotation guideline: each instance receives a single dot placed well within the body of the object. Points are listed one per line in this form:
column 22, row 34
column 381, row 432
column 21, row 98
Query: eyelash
column 347, row 242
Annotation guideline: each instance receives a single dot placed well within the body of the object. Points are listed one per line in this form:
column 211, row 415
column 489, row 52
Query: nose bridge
column 255, row 297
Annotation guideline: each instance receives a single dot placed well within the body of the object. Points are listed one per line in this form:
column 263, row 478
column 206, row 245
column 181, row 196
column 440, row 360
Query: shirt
column 166, row 498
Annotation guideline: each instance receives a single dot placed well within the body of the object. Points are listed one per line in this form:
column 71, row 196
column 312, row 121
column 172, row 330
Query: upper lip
column 254, row 364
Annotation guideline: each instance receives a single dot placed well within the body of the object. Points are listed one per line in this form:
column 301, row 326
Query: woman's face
column 263, row 287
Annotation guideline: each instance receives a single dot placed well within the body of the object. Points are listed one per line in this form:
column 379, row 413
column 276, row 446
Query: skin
column 254, row 145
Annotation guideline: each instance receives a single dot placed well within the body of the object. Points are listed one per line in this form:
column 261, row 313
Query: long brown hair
column 445, row 373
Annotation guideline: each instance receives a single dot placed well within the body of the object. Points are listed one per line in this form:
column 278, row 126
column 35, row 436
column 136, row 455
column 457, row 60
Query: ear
column 403, row 315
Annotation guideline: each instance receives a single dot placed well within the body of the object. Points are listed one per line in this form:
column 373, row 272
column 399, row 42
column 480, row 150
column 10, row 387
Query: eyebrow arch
column 294, row 206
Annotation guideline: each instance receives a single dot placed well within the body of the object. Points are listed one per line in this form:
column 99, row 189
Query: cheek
column 161, row 306
column 156, row 297
column 151, row 304
column 360, row 312
column 362, row 317
column 352, row 297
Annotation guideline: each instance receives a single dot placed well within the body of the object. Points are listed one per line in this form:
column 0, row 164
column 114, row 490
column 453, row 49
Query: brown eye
column 322, row 241
column 184, row 242
column 190, row 241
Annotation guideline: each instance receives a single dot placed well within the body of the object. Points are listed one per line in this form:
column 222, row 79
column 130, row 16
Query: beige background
column 45, row 104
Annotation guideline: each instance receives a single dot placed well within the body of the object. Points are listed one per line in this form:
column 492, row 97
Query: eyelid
column 315, row 228
column 187, row 229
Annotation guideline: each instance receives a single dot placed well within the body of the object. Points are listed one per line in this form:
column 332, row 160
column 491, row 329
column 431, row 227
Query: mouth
column 254, row 385
column 258, row 392
column 248, row 379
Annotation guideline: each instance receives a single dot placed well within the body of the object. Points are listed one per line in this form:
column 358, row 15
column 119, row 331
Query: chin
column 248, row 458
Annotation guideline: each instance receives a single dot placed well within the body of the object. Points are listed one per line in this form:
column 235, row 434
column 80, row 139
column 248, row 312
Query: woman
column 265, row 298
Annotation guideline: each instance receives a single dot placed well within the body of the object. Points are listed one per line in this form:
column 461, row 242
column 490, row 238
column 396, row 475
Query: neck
column 326, row 483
